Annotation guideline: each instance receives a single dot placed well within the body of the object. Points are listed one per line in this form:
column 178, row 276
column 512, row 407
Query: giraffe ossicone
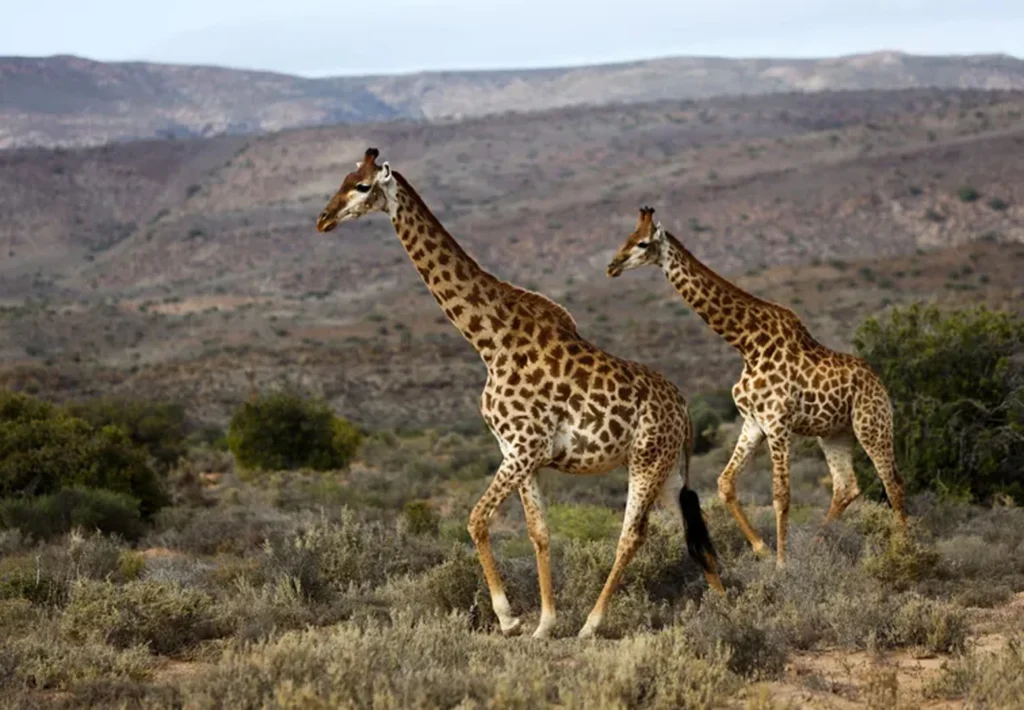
column 552, row 399
column 791, row 384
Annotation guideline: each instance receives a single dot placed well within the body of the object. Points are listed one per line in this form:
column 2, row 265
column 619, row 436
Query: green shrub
column 967, row 193
column 583, row 522
column 957, row 384
column 421, row 519
column 158, row 427
column 706, row 421
column 285, row 432
column 998, row 204
column 43, row 448
column 45, row 517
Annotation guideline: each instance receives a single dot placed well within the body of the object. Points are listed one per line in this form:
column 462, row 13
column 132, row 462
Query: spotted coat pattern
column 552, row 399
column 791, row 384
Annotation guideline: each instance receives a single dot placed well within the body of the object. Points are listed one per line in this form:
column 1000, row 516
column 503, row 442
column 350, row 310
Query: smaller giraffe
column 791, row 384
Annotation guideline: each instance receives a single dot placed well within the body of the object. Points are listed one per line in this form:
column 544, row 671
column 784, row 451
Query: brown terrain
column 181, row 268
column 173, row 268
column 72, row 101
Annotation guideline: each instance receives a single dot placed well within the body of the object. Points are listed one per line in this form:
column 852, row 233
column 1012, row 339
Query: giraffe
column 790, row 385
column 551, row 399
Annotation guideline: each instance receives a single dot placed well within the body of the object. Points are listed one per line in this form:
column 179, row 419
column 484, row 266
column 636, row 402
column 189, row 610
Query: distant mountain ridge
column 71, row 101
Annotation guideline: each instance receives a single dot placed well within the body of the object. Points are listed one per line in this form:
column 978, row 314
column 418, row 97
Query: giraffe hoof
column 588, row 631
column 512, row 629
column 544, row 627
column 761, row 550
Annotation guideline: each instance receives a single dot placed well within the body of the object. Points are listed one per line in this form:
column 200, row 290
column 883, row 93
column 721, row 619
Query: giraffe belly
column 816, row 418
column 578, row 451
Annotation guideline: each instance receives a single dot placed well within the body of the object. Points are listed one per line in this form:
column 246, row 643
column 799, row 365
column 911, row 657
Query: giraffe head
column 644, row 246
column 368, row 189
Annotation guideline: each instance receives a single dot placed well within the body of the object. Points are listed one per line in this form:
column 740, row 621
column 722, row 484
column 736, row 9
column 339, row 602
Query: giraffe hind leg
column 838, row 451
column 872, row 423
column 750, row 437
column 533, row 506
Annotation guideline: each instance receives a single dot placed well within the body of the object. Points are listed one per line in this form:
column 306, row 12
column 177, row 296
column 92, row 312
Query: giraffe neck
column 730, row 311
column 469, row 296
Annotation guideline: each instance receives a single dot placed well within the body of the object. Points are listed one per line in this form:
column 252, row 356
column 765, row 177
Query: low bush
column 435, row 662
column 421, row 519
column 956, row 380
column 43, row 448
column 165, row 617
column 983, row 679
column 45, row 660
column 285, row 432
column 45, row 517
column 706, row 420
column 159, row 428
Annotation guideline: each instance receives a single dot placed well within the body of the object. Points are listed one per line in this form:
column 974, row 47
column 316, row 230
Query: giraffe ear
column 385, row 172
column 659, row 231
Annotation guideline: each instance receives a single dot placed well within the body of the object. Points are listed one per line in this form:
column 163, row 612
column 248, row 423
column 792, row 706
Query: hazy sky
column 317, row 37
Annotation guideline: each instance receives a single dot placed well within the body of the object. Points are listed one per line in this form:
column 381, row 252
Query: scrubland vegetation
column 149, row 561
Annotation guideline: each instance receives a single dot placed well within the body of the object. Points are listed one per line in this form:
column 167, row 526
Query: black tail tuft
column 698, row 538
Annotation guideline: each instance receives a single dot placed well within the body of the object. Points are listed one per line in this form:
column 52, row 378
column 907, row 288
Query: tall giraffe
column 791, row 383
column 552, row 399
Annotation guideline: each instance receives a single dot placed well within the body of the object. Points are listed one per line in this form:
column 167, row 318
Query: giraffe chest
column 571, row 428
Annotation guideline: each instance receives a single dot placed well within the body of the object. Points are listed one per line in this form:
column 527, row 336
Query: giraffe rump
column 695, row 529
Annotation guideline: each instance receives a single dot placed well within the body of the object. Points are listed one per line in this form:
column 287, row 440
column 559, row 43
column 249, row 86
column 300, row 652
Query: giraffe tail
column 698, row 537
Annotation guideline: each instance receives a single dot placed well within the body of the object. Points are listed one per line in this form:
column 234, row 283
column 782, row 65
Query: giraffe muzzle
column 326, row 222
column 614, row 268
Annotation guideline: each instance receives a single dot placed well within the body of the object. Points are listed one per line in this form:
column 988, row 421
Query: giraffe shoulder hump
column 540, row 306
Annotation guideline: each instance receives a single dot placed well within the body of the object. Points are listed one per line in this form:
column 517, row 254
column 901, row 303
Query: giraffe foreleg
column 750, row 437
column 533, row 506
column 512, row 473
column 779, row 445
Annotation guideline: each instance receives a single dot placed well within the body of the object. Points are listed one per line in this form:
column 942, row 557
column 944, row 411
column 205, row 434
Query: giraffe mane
column 541, row 307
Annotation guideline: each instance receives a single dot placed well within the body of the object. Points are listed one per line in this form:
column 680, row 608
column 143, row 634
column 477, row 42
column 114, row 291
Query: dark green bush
column 706, row 421
column 968, row 193
column 43, row 448
column 45, row 517
column 285, row 432
column 158, row 427
column 957, row 384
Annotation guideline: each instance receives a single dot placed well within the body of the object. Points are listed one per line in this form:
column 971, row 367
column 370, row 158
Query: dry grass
column 308, row 602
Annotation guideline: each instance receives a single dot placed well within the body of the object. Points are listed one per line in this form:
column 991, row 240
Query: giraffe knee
column 477, row 527
column 726, row 489
column 780, row 501
column 540, row 538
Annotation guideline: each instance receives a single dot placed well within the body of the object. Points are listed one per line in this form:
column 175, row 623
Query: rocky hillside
column 171, row 267
column 70, row 101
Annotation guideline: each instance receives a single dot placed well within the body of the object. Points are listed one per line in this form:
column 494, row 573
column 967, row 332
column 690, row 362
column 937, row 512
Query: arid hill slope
column 69, row 101
column 171, row 267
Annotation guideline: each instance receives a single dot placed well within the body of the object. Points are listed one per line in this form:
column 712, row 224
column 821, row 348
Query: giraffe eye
column 363, row 188
column 642, row 245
